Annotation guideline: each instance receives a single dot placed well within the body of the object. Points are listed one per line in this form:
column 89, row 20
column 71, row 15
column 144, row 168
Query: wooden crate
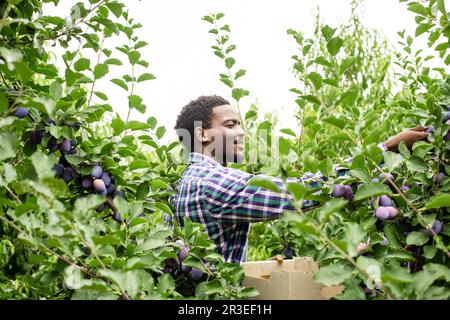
column 289, row 280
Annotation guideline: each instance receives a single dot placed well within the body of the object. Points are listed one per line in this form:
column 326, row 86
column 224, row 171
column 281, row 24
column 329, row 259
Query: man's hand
column 410, row 136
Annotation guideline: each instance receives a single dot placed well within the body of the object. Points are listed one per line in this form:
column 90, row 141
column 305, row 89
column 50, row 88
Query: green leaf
column 43, row 164
column 334, row 45
column 239, row 93
column 160, row 132
column 56, row 90
column 145, row 77
column 4, row 103
column 441, row 7
column 354, row 234
column 84, row 204
column 239, row 74
column 113, row 61
column 392, row 160
column 418, row 8
column 440, row 200
column 333, row 274
column 82, row 64
column 115, row 8
column 101, row 70
column 416, row 164
column 134, row 56
column 311, row 98
column 264, row 182
column 120, row 83
column 347, row 63
column 417, row 238
column 101, row 95
column 422, row 28
column 118, row 125
column 330, row 207
column 372, row 189
column 229, row 62
column 139, row 164
column 316, row 80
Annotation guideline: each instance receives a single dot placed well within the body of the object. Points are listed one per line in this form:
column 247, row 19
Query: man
column 220, row 197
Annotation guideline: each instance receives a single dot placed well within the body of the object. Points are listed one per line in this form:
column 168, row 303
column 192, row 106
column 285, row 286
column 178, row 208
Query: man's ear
column 201, row 135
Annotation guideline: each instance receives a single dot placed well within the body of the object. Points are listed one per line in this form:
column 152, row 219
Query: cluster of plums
column 176, row 267
column 385, row 210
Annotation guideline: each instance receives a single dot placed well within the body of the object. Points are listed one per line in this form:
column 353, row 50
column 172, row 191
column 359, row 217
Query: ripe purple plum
column 288, row 252
column 64, row 146
column 440, row 177
column 385, row 176
column 404, row 188
column 100, row 208
column 385, row 201
column 59, row 169
column 67, row 174
column 99, row 185
column 339, row 190
column 384, row 242
column 21, row 112
column 382, row 213
column 445, row 116
column 106, row 179
column 436, row 228
column 375, row 180
column 86, row 183
column 172, row 262
column 196, row 274
column 430, row 129
column 183, row 253
column 97, row 171
column 117, row 217
column 36, row 136
column 111, row 188
column 185, row 269
column 118, row 194
column 392, row 212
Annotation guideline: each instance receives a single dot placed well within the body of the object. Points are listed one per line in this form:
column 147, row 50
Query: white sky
column 185, row 66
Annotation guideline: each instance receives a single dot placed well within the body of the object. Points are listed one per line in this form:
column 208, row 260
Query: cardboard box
column 288, row 280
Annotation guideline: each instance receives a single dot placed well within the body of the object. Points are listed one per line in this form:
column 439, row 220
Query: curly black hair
column 198, row 110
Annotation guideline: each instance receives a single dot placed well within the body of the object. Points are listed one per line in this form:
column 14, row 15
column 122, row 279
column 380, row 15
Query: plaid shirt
column 220, row 198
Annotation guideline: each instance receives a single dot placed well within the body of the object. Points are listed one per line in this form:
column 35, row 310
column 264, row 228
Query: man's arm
column 229, row 198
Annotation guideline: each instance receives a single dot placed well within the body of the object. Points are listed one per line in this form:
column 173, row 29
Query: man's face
column 226, row 136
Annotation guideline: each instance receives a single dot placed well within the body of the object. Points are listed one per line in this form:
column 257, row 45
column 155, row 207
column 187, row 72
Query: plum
column 361, row 247
column 436, row 228
column 392, row 212
column 67, row 174
column 382, row 213
column 75, row 125
column 447, row 136
column 386, row 176
column 21, row 112
column 440, row 177
column 117, row 217
column 52, row 144
column 167, row 270
column 99, row 185
column 59, row 169
column 106, row 179
column 404, row 188
column 186, row 269
column 384, row 242
column 348, row 193
column 172, row 262
column 445, row 116
column 339, row 190
column 183, row 253
column 65, row 146
column 430, row 129
column 118, row 194
column 385, row 201
column 288, row 252
column 86, row 183
column 49, row 121
column 100, row 208
column 195, row 274
column 111, row 188
column 86, row 251
column 36, row 136
column 375, row 180
column 97, row 171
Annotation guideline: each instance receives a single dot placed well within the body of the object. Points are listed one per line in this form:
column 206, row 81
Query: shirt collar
column 195, row 157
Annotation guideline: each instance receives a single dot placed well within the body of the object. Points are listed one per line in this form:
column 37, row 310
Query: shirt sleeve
column 229, row 198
